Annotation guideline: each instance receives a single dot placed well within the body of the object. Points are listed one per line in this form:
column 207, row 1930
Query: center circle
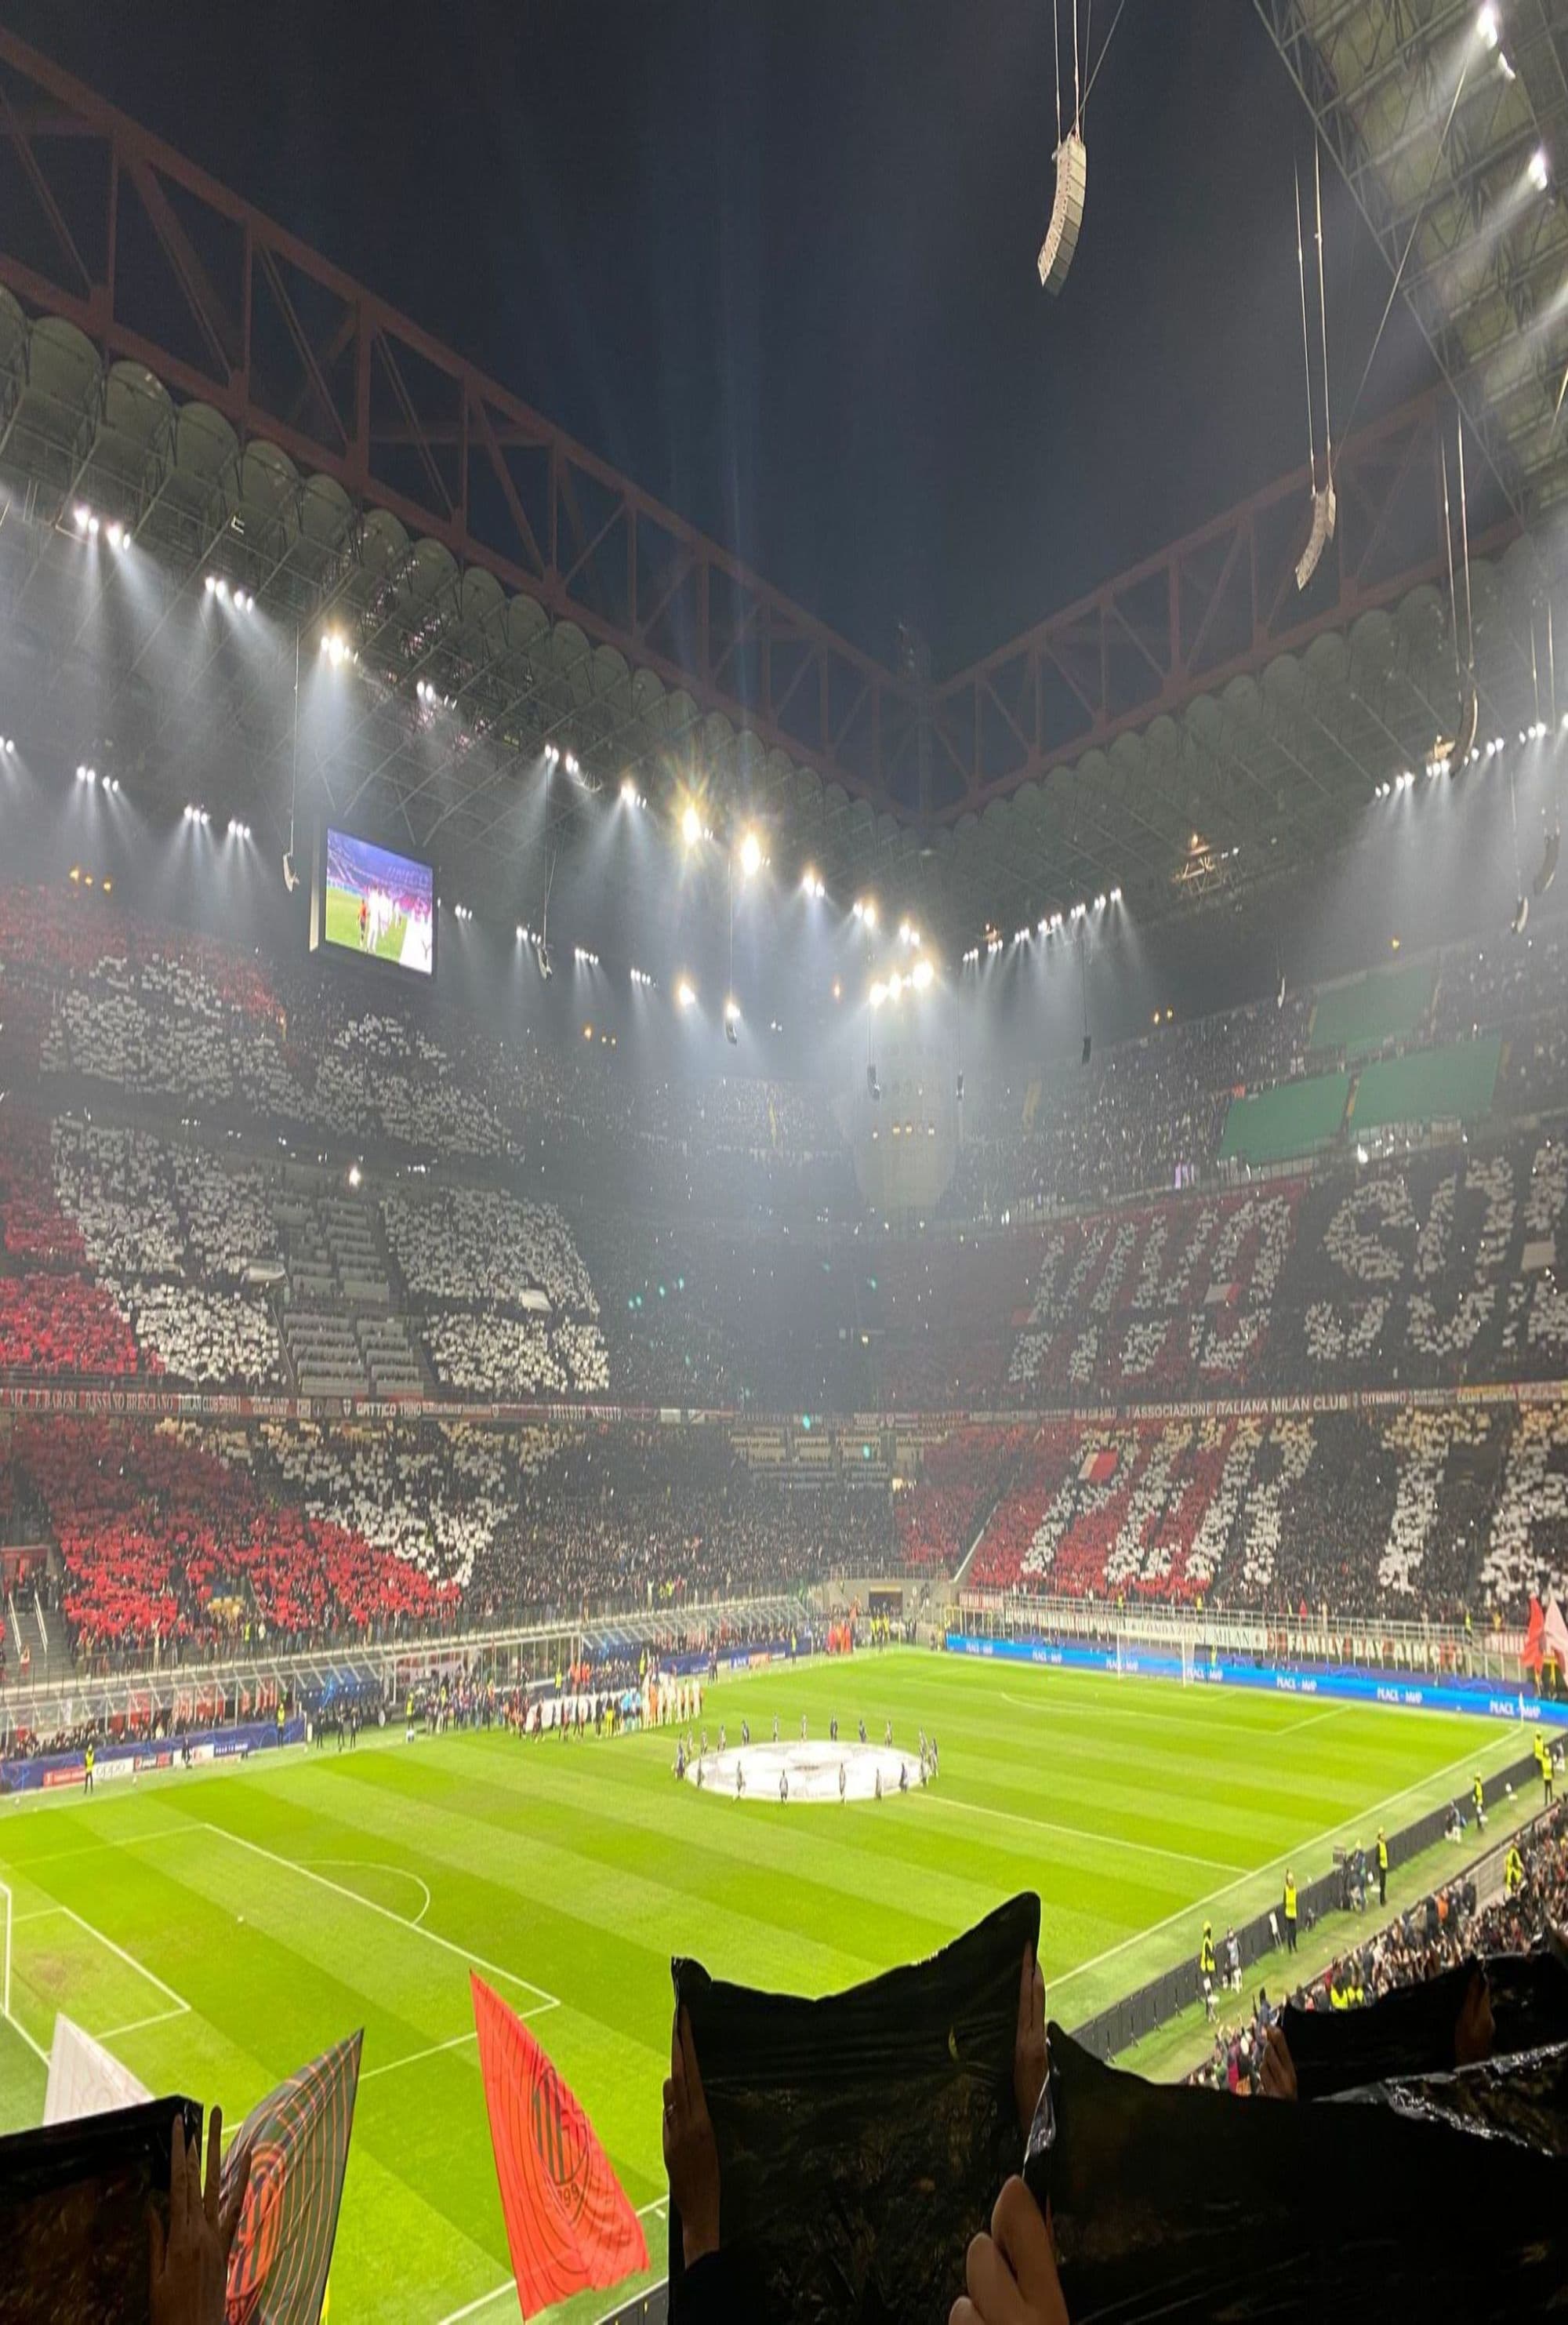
column 816, row 1774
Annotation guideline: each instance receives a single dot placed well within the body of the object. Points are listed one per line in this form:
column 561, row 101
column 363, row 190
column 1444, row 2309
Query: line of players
column 691, row 1753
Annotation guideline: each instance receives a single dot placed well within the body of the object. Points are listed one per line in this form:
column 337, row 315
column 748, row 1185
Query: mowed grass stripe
column 583, row 1866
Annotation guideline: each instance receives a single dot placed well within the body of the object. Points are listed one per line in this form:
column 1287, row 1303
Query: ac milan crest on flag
column 1099, row 1468
column 298, row 2141
column 569, row 2227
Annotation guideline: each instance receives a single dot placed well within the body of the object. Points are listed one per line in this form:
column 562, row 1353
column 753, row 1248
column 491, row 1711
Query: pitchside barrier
column 1126, row 1659
column 48, row 1772
column 1261, row 1941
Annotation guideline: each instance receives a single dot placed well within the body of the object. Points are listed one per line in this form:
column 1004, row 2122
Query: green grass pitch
column 343, row 926
column 220, row 1927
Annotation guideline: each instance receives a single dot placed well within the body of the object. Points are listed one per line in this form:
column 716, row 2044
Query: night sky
column 776, row 261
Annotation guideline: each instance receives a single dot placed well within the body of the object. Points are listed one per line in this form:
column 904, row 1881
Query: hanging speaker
column 873, row 1086
column 958, row 1091
column 1521, row 914
column 1469, row 718
column 730, row 1035
column 1066, row 213
column 1549, row 871
column 1088, row 1049
column 1324, row 509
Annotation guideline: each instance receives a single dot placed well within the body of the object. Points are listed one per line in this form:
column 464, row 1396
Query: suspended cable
column 1464, row 547
column 1452, row 590
column 1328, row 433
column 1553, row 847
column 1094, row 73
column 1056, row 51
column 1306, row 346
column 1077, row 91
column 1410, row 246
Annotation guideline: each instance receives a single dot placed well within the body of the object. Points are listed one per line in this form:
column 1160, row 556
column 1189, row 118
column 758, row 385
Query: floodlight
column 920, row 976
column 1540, row 171
column 686, row 993
column 690, row 825
column 750, row 855
column 1486, row 25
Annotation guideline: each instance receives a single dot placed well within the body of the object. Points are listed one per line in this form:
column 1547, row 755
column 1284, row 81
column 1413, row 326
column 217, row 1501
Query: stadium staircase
column 342, row 1335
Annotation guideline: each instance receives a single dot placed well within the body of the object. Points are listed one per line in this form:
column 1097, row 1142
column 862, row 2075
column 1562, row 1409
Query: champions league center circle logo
column 806, row 1773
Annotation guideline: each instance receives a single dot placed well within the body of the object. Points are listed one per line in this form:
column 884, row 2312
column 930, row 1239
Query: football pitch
column 343, row 926
column 219, row 1929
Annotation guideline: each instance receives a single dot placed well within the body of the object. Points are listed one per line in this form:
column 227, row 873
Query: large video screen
column 374, row 903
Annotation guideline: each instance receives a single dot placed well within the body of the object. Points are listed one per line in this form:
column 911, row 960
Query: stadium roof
column 1449, row 121
column 174, row 361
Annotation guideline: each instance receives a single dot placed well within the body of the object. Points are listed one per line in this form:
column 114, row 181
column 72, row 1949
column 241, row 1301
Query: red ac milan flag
column 568, row 2225
column 298, row 2141
column 1530, row 1657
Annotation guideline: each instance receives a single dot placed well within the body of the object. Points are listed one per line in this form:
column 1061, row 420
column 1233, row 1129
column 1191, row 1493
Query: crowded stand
column 1444, row 1930
column 639, row 1518
column 939, row 1514
column 1405, row 1512
column 166, row 1549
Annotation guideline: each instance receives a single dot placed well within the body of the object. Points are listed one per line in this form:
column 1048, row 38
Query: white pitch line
column 151, row 1976
column 547, row 2001
column 1300, row 1848
column 135, row 2025
column 1334, row 1712
column 412, row 2057
column 1101, row 1840
column 39, row 1914
column 373, row 1865
column 37, row 2052
column 660, row 2205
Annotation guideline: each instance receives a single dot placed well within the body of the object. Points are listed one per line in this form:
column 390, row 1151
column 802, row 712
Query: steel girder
column 1222, row 603
column 153, row 259
column 1483, row 252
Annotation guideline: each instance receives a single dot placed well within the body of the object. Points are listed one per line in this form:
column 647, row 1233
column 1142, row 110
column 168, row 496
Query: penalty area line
column 547, row 2001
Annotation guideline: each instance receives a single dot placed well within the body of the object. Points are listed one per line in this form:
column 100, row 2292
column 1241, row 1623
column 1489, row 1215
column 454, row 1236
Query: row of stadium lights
column 1480, row 754
column 1049, row 926
column 1489, row 31
column 750, row 858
